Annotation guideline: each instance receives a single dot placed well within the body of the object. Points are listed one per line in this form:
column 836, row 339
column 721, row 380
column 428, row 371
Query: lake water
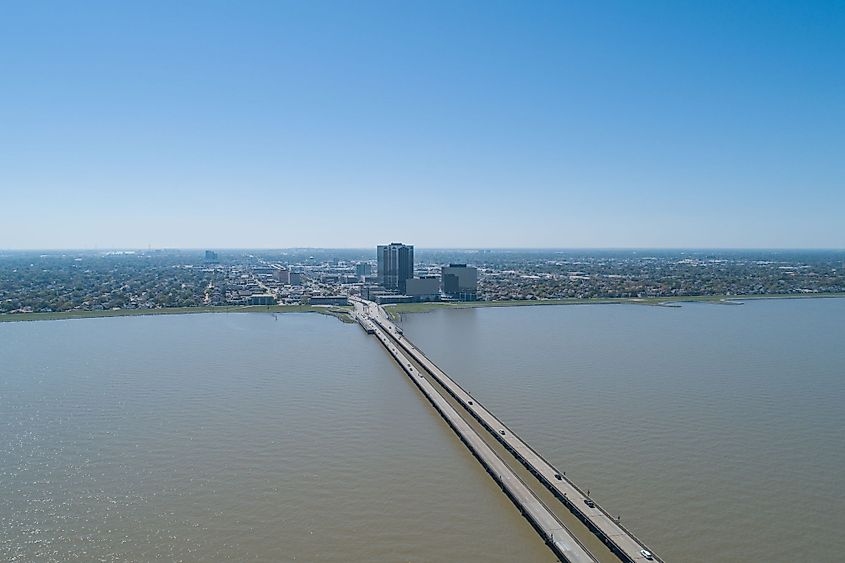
column 232, row 437
column 716, row 431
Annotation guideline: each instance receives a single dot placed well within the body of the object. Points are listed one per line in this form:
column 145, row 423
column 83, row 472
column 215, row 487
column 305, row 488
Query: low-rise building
column 370, row 292
column 460, row 281
column 262, row 299
column 328, row 300
column 425, row 288
column 388, row 299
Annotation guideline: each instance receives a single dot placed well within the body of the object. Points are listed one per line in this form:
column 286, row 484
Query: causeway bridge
column 617, row 543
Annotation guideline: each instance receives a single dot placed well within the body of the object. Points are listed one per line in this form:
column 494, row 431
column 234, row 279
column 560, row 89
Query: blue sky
column 453, row 124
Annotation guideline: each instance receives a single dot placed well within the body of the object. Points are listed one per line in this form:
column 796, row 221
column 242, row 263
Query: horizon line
column 464, row 248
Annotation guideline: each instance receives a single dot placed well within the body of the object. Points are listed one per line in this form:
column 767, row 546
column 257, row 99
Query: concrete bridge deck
column 621, row 541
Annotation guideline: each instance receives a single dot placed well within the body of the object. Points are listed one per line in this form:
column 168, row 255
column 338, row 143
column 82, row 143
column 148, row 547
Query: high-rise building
column 395, row 265
column 282, row 275
column 460, row 281
column 363, row 269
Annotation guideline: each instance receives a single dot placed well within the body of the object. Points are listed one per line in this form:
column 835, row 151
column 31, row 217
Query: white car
column 647, row 554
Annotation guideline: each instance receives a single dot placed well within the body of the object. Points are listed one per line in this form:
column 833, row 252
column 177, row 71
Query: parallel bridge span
column 621, row 541
column 552, row 530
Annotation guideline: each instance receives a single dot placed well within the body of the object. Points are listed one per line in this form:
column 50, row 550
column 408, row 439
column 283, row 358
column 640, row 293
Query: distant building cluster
column 396, row 283
column 393, row 280
column 47, row 282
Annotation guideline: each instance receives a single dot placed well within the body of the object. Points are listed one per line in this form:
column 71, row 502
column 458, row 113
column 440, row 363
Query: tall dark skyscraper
column 395, row 265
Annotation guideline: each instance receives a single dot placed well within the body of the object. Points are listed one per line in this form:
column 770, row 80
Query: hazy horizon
column 425, row 248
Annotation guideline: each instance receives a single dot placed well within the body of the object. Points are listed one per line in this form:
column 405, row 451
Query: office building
column 262, row 299
column 393, row 299
column 328, row 300
column 460, row 281
column 363, row 269
column 395, row 265
column 369, row 291
column 282, row 276
column 426, row 288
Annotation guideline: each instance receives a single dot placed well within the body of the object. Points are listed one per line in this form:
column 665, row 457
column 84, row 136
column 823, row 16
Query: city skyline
column 550, row 125
column 106, row 249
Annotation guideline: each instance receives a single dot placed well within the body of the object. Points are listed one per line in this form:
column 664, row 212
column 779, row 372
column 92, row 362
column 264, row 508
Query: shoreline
column 395, row 310
column 340, row 313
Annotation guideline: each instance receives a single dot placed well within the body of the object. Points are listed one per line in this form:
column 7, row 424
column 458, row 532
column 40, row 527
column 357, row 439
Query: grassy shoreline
column 395, row 310
column 341, row 313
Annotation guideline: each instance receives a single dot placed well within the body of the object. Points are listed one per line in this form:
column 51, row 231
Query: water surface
column 232, row 437
column 716, row 431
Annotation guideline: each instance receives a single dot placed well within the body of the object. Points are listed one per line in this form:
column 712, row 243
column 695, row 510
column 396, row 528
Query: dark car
column 558, row 477
column 589, row 503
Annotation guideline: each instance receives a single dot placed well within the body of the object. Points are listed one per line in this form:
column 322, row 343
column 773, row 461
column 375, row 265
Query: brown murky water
column 716, row 431
column 232, row 438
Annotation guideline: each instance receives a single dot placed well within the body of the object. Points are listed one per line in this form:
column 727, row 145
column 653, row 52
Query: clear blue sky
column 453, row 124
